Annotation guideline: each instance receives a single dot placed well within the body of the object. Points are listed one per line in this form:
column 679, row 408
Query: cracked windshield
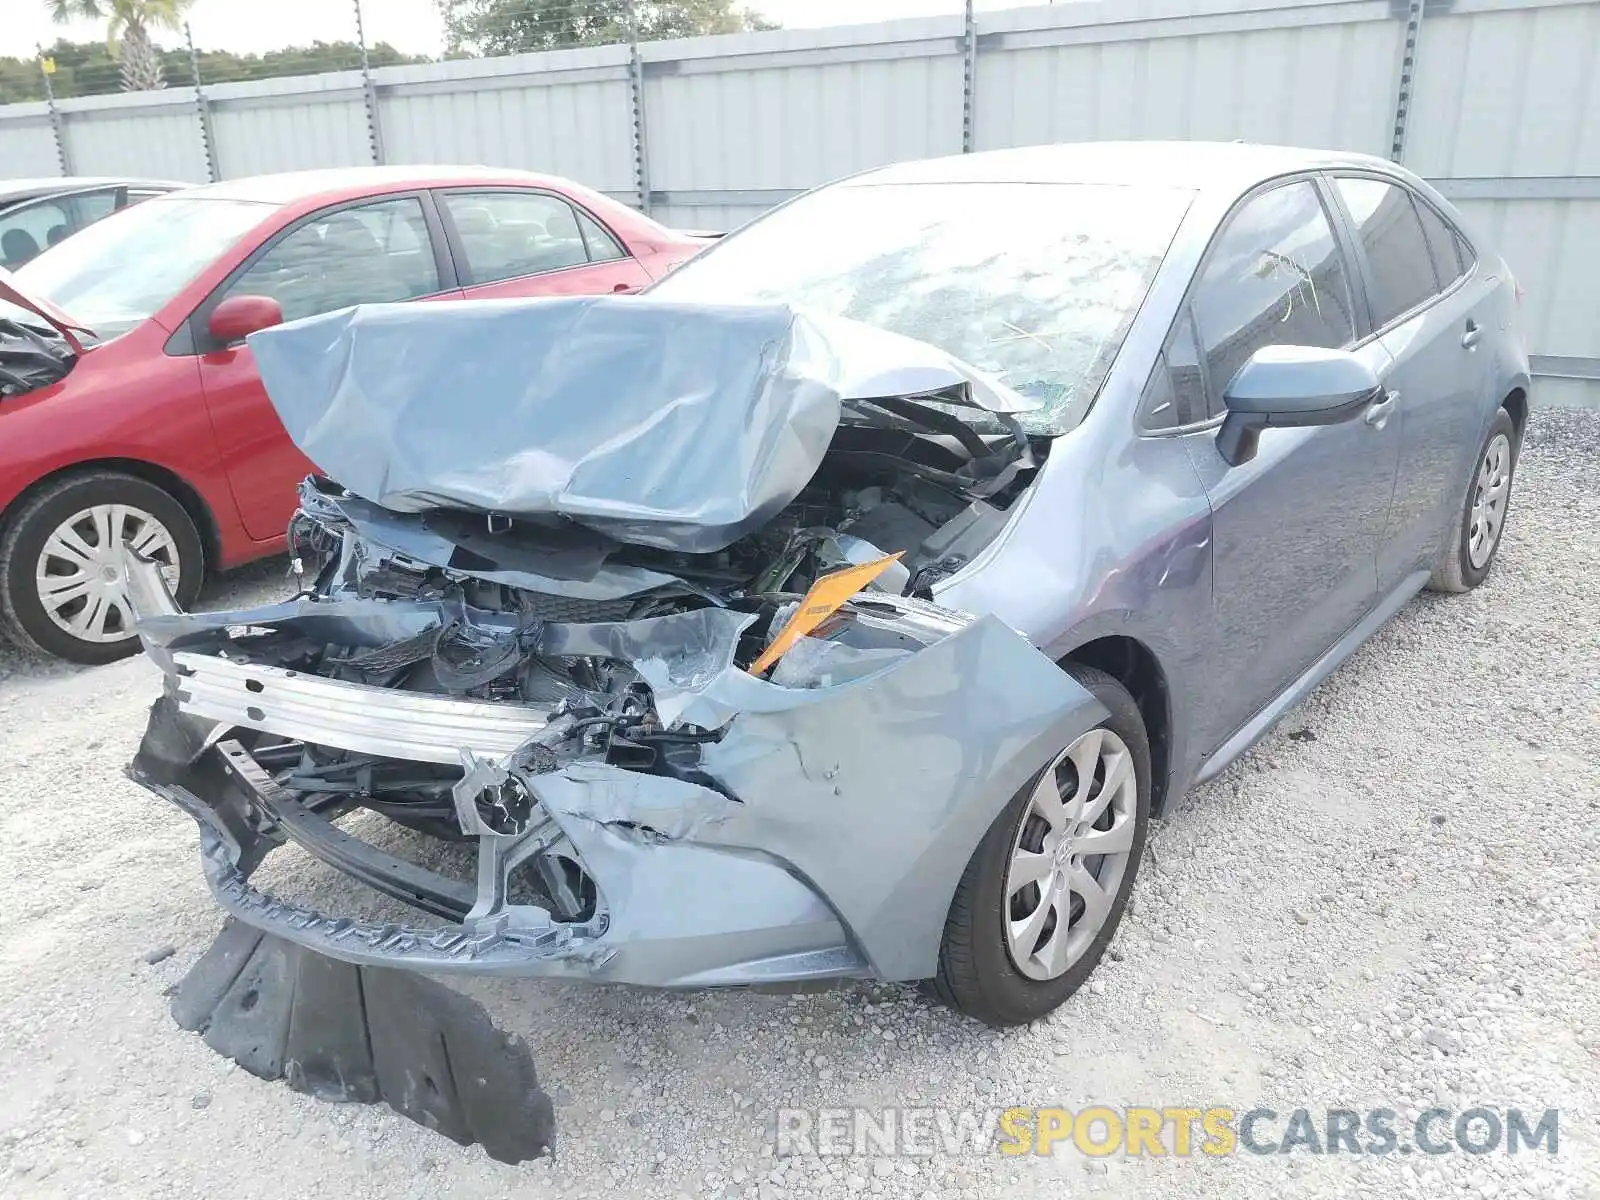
column 1035, row 284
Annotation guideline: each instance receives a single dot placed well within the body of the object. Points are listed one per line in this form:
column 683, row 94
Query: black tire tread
column 1454, row 574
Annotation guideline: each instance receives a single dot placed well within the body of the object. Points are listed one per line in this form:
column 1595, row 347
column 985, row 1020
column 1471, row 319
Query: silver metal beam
column 1408, row 76
column 63, row 160
column 350, row 716
column 724, row 197
column 1565, row 366
column 285, row 99
column 940, row 46
column 641, row 143
column 1549, row 187
column 202, row 110
column 502, row 80
column 369, row 93
column 1539, row 187
column 969, row 77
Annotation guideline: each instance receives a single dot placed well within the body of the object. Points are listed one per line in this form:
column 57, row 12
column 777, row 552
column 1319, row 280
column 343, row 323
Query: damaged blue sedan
column 846, row 605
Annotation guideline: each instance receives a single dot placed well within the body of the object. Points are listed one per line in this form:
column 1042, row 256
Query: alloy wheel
column 1070, row 854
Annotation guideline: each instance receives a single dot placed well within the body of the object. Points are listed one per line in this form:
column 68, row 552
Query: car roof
column 1196, row 166
column 291, row 187
column 12, row 190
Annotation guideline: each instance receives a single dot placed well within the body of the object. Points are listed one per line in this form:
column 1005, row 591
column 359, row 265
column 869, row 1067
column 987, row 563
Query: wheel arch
column 169, row 481
column 1134, row 665
column 1516, row 405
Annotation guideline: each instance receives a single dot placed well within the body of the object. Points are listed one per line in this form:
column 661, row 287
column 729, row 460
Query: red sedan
column 140, row 420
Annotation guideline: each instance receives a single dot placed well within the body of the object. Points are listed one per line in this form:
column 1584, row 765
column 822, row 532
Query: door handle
column 1470, row 338
column 1377, row 414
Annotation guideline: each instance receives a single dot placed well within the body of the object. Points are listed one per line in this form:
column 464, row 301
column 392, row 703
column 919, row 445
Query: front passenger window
column 369, row 254
column 1274, row 277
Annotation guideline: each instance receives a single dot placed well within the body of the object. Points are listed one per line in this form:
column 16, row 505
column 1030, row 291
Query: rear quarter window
column 1398, row 256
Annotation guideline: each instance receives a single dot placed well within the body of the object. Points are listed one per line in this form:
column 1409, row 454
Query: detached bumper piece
column 362, row 1035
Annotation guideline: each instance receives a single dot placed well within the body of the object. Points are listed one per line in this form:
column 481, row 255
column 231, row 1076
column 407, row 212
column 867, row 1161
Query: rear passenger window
column 1442, row 245
column 510, row 234
column 1274, row 277
column 1397, row 250
column 370, row 254
column 601, row 245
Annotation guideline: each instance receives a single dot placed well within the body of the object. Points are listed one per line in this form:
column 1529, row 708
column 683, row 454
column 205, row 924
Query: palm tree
column 128, row 26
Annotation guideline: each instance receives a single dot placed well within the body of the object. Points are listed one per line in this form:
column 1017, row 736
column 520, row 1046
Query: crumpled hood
column 666, row 424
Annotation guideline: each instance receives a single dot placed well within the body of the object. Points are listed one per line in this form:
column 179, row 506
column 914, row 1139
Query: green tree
column 88, row 69
column 490, row 27
column 128, row 27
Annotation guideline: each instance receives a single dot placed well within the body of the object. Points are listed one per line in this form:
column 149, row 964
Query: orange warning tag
column 827, row 595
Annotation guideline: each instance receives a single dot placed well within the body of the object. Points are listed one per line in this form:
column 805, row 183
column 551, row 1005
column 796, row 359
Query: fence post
column 202, row 109
column 56, row 130
column 1408, row 76
column 969, row 77
column 641, row 150
column 370, row 92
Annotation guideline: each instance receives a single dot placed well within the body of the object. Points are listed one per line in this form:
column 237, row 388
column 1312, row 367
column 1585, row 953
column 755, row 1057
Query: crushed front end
column 674, row 759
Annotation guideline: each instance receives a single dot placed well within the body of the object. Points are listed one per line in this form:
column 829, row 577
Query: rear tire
column 60, row 549
column 1479, row 526
column 992, row 966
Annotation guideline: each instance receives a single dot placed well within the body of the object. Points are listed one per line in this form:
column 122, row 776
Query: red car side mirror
column 238, row 316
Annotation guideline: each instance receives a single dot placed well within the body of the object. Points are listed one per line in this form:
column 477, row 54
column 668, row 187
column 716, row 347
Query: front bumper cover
column 838, row 821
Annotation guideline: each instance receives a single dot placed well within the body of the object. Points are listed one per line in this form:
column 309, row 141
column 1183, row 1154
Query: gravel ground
column 1392, row 902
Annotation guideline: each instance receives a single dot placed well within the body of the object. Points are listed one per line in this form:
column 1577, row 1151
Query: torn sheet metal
column 828, row 836
column 362, row 1034
column 664, row 424
column 668, row 818
column 875, row 791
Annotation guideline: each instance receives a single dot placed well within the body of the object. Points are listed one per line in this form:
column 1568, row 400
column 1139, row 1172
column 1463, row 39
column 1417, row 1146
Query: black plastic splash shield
column 363, row 1034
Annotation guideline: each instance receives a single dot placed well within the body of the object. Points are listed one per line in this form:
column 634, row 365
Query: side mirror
column 1286, row 386
column 239, row 316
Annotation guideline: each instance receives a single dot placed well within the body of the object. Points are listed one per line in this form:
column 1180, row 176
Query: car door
column 525, row 242
column 1295, row 530
column 364, row 253
column 1427, row 309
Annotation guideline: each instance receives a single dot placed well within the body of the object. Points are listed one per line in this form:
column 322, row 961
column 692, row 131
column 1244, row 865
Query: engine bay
column 31, row 358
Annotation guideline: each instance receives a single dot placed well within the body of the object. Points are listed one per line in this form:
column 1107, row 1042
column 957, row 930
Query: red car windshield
column 120, row 271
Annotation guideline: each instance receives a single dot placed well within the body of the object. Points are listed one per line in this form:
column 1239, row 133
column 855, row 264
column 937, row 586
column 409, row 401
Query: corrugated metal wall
column 27, row 144
column 710, row 132
column 133, row 136
column 1508, row 111
column 568, row 113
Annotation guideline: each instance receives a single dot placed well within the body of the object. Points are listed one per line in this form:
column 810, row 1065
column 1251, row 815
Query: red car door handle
column 623, row 287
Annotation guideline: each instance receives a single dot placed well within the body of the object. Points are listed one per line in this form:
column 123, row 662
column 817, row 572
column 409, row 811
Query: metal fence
column 1497, row 101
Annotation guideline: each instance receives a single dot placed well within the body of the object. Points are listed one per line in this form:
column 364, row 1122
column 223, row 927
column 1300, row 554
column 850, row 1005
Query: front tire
column 1045, row 890
column 61, row 557
column 1480, row 522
